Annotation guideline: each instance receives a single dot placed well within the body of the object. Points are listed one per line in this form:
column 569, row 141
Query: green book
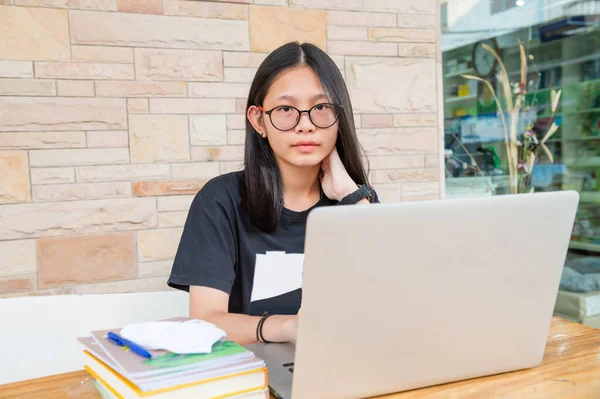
column 223, row 352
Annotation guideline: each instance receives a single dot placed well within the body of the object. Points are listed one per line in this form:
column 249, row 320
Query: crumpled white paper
column 192, row 336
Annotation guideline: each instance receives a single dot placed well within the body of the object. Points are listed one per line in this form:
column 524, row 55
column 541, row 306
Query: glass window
column 502, row 5
column 558, row 82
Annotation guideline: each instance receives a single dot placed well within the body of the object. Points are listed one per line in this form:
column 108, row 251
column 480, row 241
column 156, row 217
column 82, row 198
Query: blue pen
column 118, row 340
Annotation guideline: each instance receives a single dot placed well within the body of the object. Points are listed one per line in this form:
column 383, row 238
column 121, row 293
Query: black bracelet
column 259, row 335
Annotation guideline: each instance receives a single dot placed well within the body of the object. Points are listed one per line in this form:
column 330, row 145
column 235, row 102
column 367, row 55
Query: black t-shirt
column 220, row 248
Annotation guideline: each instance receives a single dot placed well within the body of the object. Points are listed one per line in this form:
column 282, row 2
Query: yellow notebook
column 223, row 387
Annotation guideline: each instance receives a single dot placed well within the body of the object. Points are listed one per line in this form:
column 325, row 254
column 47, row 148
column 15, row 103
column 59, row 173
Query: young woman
column 243, row 240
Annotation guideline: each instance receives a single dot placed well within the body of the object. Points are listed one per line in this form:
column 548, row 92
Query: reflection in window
column 562, row 44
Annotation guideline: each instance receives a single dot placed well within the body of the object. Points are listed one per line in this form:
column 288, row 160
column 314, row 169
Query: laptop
column 409, row 295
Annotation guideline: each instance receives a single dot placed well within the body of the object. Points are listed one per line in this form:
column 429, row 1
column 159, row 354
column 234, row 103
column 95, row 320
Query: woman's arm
column 211, row 305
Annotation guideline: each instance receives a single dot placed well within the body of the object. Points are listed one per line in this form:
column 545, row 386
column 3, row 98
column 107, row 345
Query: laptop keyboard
column 289, row 366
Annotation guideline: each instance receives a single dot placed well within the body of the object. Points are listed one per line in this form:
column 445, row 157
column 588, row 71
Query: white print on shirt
column 276, row 273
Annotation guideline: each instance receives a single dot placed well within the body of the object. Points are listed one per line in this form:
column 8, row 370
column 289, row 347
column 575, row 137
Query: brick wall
column 113, row 113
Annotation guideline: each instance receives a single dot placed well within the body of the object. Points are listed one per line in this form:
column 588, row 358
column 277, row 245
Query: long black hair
column 262, row 187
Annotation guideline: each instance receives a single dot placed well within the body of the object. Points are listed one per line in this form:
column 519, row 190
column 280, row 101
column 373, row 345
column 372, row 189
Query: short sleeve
column 375, row 199
column 207, row 251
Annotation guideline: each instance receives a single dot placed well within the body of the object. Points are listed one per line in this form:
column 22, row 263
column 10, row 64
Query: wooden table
column 571, row 369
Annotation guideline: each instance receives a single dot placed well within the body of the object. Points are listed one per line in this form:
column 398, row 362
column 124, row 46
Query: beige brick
column 81, row 191
column 280, row 3
column 172, row 219
column 83, row 70
column 55, row 291
column 432, row 160
column 191, row 106
column 38, row 140
column 75, row 88
column 377, row 120
column 138, row 106
column 74, row 157
column 346, row 33
column 406, row 175
column 6, row 2
column 220, row 90
column 152, row 284
column 16, row 69
column 158, row 268
column 159, row 138
column 367, row 19
column 240, row 105
column 420, row 188
column 354, row 5
column 189, row 65
column 243, row 59
column 108, row 139
column 35, row 34
column 208, row 129
column 400, row 35
column 112, row 55
column 17, row 284
column 204, row 9
column 399, row 141
column 362, row 48
column 122, row 29
column 236, row 137
column 368, row 80
column 416, row 21
column 39, row 113
column 27, row 87
column 140, row 6
column 175, row 203
column 237, row 121
column 122, row 172
column 52, row 175
column 239, row 75
column 357, row 120
column 167, row 187
column 101, row 5
column 410, row 120
column 43, row 219
column 404, row 6
column 388, row 193
column 194, row 170
column 14, row 177
column 419, row 197
column 231, row 166
column 158, row 244
column 140, row 89
column 285, row 25
column 396, row 162
column 422, row 50
column 17, row 258
column 86, row 259
column 223, row 153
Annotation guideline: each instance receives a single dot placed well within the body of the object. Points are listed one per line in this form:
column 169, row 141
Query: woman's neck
column 301, row 188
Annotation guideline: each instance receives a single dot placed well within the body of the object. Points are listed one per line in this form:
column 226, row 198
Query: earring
column 264, row 135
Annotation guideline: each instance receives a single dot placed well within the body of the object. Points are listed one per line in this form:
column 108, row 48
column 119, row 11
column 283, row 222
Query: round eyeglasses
column 286, row 117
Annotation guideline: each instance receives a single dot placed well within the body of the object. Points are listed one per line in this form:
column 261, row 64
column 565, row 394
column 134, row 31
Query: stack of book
column 228, row 371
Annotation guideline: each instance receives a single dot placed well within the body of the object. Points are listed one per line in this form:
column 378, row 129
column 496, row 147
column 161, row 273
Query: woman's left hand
column 335, row 180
